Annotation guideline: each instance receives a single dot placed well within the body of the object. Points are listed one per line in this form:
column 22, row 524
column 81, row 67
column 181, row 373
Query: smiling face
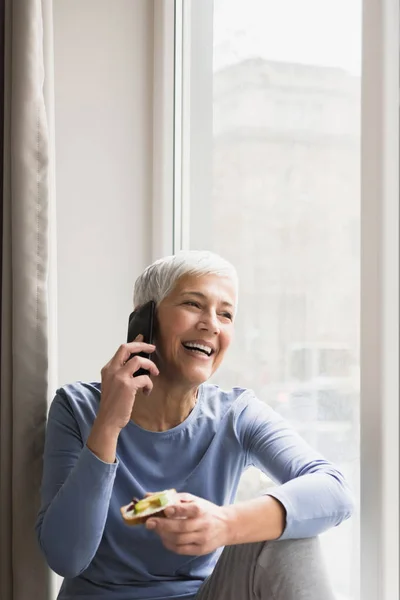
column 195, row 328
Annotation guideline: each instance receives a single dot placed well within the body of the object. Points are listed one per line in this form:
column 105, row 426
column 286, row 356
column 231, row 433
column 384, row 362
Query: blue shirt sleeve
column 312, row 490
column 76, row 491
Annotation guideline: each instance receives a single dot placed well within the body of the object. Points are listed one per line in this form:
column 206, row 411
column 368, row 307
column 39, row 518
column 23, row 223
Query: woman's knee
column 284, row 552
column 293, row 569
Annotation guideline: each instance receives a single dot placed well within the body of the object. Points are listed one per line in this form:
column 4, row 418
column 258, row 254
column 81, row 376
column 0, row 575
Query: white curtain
column 28, row 368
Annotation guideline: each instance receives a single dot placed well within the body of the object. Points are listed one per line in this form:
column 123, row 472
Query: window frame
column 186, row 147
column 163, row 197
column 380, row 301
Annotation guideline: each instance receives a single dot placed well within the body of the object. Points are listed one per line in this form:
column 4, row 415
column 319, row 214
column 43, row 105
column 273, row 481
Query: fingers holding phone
column 119, row 383
column 128, row 354
column 129, row 370
column 140, row 367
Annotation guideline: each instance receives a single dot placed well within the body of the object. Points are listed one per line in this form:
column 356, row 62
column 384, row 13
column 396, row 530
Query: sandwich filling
column 150, row 504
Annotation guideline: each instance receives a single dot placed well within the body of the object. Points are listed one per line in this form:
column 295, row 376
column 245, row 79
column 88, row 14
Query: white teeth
column 199, row 347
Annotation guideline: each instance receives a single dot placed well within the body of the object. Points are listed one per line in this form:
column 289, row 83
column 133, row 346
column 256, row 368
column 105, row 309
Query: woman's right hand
column 118, row 392
column 119, row 387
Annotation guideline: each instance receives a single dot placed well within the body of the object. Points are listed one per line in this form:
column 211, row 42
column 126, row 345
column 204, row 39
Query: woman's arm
column 76, row 492
column 195, row 526
column 313, row 492
column 256, row 520
column 78, row 480
column 312, row 496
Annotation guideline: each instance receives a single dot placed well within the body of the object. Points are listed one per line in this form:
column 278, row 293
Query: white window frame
column 380, row 302
column 182, row 144
column 163, row 128
column 171, row 126
column 182, row 148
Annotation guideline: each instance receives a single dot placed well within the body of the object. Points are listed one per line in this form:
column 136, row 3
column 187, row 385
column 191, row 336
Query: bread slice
column 138, row 518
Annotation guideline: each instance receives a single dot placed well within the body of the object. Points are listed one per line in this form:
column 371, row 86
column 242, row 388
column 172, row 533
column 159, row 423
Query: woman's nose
column 210, row 322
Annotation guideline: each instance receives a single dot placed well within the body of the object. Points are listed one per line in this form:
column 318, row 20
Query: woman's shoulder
column 233, row 399
column 236, row 409
column 233, row 394
column 240, row 401
column 214, row 392
column 80, row 398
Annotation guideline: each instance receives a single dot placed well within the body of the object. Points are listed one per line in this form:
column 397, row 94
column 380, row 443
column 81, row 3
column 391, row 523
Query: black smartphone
column 142, row 321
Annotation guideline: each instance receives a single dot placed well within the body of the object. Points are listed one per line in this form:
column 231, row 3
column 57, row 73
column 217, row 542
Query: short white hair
column 159, row 279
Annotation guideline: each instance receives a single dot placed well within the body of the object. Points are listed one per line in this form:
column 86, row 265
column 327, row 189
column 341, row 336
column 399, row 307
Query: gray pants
column 279, row 570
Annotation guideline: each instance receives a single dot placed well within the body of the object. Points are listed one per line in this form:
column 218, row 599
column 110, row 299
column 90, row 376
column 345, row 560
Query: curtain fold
column 27, row 365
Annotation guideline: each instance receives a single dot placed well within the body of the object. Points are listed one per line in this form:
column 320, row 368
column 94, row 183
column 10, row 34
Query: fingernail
column 169, row 511
column 137, row 337
column 150, row 525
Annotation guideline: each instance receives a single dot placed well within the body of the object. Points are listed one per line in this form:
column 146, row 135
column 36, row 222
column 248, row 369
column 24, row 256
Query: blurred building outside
column 286, row 211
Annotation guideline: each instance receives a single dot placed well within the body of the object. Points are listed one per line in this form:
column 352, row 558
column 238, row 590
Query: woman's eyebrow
column 203, row 297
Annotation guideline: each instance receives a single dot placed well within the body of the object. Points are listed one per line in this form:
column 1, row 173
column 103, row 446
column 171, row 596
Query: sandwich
column 138, row 511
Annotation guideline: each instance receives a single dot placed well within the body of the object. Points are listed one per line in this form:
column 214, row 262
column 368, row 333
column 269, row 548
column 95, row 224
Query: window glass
column 286, row 211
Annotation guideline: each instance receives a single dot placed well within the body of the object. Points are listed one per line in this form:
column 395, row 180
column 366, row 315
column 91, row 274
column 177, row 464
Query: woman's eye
column 191, row 303
column 227, row 315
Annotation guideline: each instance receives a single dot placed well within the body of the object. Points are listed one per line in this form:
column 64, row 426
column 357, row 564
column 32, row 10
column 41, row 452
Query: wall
column 103, row 123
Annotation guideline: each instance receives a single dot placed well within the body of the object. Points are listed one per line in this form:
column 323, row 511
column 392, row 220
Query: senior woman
column 128, row 436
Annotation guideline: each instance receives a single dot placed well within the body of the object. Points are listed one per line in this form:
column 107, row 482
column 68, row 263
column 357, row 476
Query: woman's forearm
column 102, row 441
column 70, row 528
column 303, row 507
column 255, row 520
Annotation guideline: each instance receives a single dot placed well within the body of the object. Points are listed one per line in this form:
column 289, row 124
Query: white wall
column 103, row 126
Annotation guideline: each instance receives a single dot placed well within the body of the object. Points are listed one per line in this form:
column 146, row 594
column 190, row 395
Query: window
column 270, row 169
column 285, row 197
column 283, row 145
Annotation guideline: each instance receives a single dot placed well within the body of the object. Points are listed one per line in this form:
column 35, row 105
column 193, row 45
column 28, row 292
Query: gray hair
column 159, row 279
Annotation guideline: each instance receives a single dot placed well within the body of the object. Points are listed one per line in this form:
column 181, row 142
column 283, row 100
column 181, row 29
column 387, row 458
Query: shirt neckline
column 191, row 416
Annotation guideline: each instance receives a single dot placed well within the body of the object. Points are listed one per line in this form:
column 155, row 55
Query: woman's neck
column 166, row 407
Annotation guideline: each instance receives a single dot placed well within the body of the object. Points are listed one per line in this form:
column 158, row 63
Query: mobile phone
column 141, row 321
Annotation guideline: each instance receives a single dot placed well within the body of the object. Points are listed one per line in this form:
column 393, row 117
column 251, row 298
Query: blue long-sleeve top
column 80, row 528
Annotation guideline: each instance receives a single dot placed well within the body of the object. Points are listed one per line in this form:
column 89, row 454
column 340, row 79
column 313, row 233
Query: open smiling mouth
column 196, row 348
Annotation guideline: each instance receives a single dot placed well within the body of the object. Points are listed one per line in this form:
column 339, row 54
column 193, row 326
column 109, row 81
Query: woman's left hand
column 193, row 526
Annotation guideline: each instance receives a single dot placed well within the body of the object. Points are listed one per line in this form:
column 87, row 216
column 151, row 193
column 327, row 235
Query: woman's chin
column 196, row 375
column 190, row 372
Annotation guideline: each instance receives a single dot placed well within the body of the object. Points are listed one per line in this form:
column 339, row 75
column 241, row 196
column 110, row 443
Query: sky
column 317, row 32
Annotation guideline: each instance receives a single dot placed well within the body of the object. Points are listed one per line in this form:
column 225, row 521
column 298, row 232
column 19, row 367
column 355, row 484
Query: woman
column 128, row 436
